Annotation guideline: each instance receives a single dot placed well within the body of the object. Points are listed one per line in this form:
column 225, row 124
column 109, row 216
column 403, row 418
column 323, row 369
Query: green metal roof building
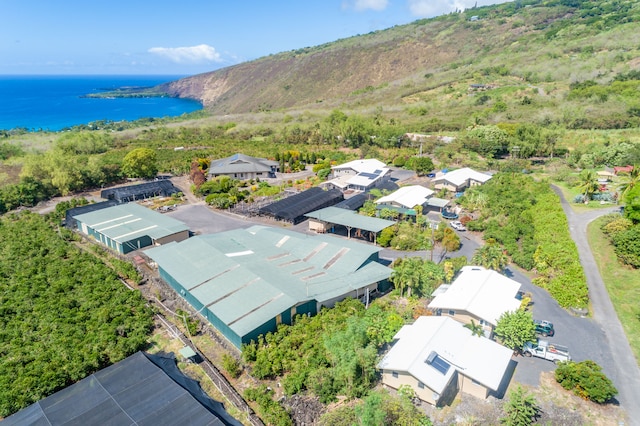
column 247, row 281
column 128, row 227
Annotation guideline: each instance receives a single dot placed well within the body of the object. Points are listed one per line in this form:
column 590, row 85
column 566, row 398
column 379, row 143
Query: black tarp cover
column 142, row 389
column 293, row 208
column 160, row 187
column 352, row 203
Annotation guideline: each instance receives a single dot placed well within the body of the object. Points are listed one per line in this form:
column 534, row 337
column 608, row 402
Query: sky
column 187, row 37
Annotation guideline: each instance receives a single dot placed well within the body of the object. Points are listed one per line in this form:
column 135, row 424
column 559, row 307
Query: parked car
column 457, row 225
column 544, row 328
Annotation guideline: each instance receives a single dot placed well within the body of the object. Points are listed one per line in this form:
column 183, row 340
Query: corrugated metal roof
column 125, row 222
column 350, row 218
column 240, row 163
column 248, row 276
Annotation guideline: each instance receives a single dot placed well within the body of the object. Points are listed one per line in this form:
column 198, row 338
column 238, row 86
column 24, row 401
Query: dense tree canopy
column 63, row 314
column 140, row 163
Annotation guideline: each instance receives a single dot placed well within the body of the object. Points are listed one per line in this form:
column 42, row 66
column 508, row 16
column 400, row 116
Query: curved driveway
column 626, row 375
column 600, row 338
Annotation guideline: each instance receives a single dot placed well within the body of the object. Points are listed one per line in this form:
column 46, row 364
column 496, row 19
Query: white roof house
column 358, row 175
column 460, row 179
column 478, row 292
column 433, row 349
column 407, row 197
column 369, row 165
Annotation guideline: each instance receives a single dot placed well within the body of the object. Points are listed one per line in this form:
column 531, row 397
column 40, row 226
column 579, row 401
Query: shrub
column 586, row 380
column 231, row 365
column 627, row 246
column 271, row 411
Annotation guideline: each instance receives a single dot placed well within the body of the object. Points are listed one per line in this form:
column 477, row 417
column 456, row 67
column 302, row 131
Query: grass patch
column 621, row 282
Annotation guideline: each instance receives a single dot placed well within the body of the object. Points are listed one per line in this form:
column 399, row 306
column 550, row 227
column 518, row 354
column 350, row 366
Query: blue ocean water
column 56, row 102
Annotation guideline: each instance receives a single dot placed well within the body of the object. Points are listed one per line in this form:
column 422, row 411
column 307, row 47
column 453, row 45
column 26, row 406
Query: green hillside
column 526, row 60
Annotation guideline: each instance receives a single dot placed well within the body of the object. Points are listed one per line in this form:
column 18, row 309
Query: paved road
column 600, row 338
column 625, row 373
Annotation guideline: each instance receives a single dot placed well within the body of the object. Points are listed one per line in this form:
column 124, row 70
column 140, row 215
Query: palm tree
column 407, row 274
column 628, row 180
column 588, row 184
column 476, row 329
column 491, row 256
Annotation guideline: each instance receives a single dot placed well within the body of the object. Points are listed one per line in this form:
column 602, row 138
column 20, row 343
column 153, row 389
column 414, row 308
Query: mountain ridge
column 383, row 67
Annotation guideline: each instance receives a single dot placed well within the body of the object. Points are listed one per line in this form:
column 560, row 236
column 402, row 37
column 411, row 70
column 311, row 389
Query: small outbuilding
column 128, row 227
column 325, row 220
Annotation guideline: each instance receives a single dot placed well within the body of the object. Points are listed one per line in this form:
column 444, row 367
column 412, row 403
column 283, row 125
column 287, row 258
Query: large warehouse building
column 247, row 281
column 128, row 227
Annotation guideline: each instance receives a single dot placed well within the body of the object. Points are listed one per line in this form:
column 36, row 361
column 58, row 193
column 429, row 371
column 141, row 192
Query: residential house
column 437, row 357
column 460, row 179
column 408, row 197
column 243, row 167
column 358, row 175
column 477, row 294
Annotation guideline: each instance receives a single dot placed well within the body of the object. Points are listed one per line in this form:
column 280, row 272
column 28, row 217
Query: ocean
column 56, row 102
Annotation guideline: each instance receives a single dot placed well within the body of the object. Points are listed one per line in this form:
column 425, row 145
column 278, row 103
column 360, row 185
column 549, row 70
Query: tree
column 450, row 240
column 632, row 205
column 514, row 329
column 588, row 184
column 421, row 165
column 407, row 274
column 476, row 328
column 371, row 412
column 491, row 256
column 521, row 408
column 140, row 163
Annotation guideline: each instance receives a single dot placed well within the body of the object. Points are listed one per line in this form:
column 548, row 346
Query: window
column 421, row 385
column 452, row 312
column 438, row 363
column 394, row 374
column 483, row 322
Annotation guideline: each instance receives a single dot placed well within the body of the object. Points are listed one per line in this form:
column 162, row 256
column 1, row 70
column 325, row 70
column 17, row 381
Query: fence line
column 218, row 379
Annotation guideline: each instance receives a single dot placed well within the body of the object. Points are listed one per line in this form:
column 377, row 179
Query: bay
column 56, row 102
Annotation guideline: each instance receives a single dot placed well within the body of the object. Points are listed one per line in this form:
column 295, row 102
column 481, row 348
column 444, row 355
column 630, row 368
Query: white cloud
column 431, row 8
column 361, row 5
column 193, row 54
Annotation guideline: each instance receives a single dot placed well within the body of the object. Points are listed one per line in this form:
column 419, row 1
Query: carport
column 322, row 220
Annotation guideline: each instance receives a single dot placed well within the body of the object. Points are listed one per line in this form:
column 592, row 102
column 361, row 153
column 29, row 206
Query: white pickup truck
column 546, row 350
